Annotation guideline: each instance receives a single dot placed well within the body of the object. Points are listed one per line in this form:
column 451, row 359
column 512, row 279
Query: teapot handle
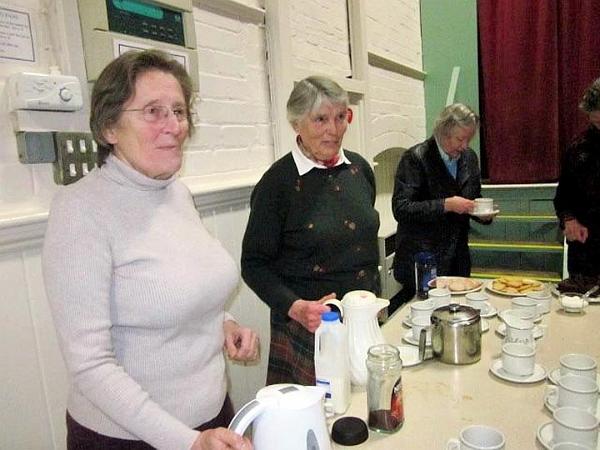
column 246, row 415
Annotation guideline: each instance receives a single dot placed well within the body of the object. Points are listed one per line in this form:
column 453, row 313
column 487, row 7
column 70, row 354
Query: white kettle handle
column 246, row 415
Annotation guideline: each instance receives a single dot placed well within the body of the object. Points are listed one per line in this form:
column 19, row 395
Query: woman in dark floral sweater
column 312, row 231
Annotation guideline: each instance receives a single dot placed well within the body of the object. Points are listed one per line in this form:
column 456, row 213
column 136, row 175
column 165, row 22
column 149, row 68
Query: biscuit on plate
column 457, row 285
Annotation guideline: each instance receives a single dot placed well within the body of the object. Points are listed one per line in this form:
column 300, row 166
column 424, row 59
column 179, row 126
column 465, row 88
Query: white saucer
column 407, row 322
column 491, row 312
column 537, row 331
column 409, row 355
column 554, row 376
column 408, row 338
column 487, row 214
column 545, row 434
column 539, row 373
column 551, row 398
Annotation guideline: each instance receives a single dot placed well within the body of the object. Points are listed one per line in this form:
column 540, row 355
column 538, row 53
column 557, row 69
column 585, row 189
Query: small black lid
column 349, row 431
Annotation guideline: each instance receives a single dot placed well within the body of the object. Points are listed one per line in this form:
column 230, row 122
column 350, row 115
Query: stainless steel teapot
column 455, row 335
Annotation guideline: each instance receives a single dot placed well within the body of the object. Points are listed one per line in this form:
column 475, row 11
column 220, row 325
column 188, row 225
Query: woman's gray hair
column 452, row 116
column 309, row 94
column 591, row 98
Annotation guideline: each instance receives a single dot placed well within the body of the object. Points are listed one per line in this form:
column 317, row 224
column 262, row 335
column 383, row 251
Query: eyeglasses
column 160, row 113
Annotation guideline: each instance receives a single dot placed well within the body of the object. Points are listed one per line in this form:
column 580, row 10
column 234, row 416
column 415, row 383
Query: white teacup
column 440, row 296
column 483, row 206
column 518, row 359
column 524, row 314
column 574, row 425
column 421, row 308
column 478, row 300
column 526, row 303
column 478, row 437
column 578, row 364
column 519, row 331
column 420, row 323
column 576, row 391
column 543, row 300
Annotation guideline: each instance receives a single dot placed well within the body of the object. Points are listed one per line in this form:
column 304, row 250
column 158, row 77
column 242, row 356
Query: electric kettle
column 285, row 417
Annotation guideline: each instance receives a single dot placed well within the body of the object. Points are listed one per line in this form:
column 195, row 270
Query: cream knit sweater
column 137, row 288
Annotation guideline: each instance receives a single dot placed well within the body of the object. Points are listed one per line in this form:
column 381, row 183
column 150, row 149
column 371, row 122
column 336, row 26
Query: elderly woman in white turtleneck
column 136, row 285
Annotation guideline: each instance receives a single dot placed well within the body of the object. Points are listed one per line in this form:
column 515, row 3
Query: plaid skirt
column 291, row 357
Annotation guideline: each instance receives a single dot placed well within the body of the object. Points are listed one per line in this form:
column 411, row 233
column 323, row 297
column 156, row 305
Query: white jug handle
column 338, row 304
column 246, row 415
column 453, row 444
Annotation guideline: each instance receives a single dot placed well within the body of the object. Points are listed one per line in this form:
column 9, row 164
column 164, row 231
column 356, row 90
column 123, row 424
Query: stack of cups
column 576, row 399
column 440, row 297
column 543, row 299
column 420, row 318
column 480, row 301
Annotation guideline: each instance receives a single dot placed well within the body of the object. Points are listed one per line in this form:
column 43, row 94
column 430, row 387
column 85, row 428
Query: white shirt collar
column 305, row 165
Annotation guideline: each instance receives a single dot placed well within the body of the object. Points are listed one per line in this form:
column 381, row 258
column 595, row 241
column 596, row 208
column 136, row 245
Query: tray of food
column 514, row 286
column 456, row 285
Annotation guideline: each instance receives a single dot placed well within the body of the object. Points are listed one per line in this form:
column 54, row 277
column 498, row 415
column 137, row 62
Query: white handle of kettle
column 246, row 415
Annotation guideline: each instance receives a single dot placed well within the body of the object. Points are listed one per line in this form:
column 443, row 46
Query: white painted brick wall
column 397, row 110
column 233, row 126
column 394, row 30
column 319, row 30
column 397, row 102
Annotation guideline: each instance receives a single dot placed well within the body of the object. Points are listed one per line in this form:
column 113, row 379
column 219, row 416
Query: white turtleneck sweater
column 137, row 289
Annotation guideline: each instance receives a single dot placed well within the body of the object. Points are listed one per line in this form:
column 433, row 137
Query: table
column 441, row 399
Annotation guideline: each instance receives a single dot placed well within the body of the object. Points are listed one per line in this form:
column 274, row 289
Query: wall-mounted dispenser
column 112, row 27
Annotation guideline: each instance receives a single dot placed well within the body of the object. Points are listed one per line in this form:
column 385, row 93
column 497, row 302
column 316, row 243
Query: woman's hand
column 458, row 205
column 221, row 439
column 574, row 231
column 308, row 312
column 241, row 343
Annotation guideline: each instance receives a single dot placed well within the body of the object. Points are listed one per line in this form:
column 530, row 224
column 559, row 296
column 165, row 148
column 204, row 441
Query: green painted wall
column 449, row 34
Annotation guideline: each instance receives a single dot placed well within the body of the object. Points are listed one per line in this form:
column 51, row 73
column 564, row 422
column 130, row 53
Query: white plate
column 408, row 338
column 489, row 287
column 493, row 213
column 432, row 284
column 537, row 331
column 407, row 322
column 554, row 376
column 539, row 373
column 409, row 355
column 550, row 399
column 545, row 434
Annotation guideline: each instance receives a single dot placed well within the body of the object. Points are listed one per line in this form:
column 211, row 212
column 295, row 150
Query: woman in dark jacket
column 435, row 185
column 577, row 200
column 312, row 231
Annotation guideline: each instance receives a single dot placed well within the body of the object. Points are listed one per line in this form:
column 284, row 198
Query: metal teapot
column 455, row 335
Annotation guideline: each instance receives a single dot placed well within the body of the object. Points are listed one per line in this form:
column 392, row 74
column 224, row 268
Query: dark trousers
column 82, row 438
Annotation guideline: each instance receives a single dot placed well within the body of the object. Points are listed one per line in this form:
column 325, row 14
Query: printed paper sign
column 16, row 38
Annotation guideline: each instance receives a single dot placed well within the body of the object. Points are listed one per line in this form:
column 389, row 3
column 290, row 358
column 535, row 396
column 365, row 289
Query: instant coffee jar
column 384, row 388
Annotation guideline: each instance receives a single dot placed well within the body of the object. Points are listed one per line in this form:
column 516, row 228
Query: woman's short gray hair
column 308, row 94
column 452, row 116
column 591, row 98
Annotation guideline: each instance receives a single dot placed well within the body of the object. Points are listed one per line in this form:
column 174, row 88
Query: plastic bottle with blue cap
column 332, row 363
